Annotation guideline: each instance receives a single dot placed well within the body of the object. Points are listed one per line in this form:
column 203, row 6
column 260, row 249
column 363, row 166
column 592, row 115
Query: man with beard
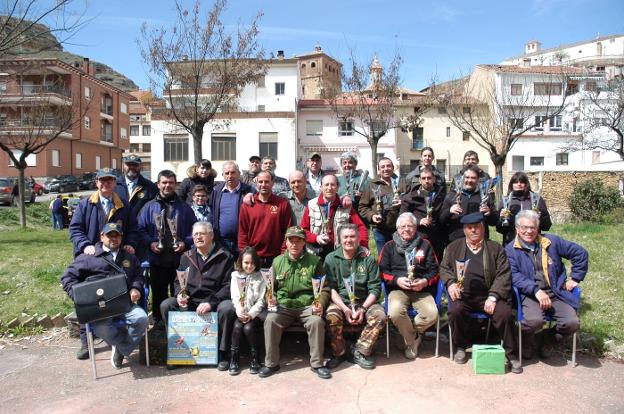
column 133, row 187
column 249, row 176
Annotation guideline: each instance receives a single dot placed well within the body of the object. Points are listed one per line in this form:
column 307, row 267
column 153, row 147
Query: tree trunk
column 20, row 197
column 373, row 146
column 499, row 186
column 198, row 134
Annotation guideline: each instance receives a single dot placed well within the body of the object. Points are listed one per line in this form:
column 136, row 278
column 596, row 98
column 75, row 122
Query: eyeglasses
column 200, row 196
column 406, row 226
column 527, row 228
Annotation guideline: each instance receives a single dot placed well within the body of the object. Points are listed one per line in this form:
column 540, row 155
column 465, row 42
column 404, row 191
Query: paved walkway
column 44, row 376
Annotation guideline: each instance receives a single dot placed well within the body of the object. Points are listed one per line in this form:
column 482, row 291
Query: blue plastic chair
column 120, row 323
column 473, row 315
column 548, row 318
column 411, row 312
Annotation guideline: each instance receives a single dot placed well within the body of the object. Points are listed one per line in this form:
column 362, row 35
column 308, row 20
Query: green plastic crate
column 488, row 359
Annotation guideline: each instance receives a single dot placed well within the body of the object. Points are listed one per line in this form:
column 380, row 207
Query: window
column 147, row 147
column 31, row 159
column 448, row 132
column 87, row 122
column 465, row 136
column 591, row 86
column 87, row 92
column 123, row 133
column 106, row 132
column 313, row 64
column 114, row 163
column 573, row 87
column 562, row 158
column 441, row 109
column 134, row 130
column 314, row 128
column 268, row 144
column 517, row 162
column 516, row 89
column 600, row 68
column 280, row 88
column 223, row 147
column 554, row 123
column 379, row 128
column 3, row 87
column 418, row 139
column 516, row 123
column 261, row 108
column 147, row 130
column 544, row 88
column 98, row 162
column 123, row 107
column 536, row 161
column 56, row 158
column 176, row 147
column 345, row 128
column 539, row 122
column 466, row 110
column 134, row 147
column 78, row 160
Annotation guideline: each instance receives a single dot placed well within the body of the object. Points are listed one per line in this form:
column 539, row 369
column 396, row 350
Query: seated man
column 108, row 258
column 412, row 286
column 293, row 272
column 208, row 284
column 545, row 288
column 482, row 286
column 351, row 263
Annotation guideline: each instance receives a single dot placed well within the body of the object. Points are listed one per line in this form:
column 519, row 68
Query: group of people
column 265, row 252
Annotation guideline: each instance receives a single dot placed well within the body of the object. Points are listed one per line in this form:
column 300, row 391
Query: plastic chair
column 120, row 323
column 548, row 318
column 473, row 315
column 411, row 312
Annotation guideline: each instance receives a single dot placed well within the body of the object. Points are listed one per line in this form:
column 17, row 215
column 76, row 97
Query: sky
column 436, row 39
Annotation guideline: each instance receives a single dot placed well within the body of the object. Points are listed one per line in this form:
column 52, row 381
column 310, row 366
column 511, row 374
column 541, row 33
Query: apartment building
column 35, row 92
column 140, row 130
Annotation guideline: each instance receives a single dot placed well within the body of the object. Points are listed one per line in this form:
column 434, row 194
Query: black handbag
column 101, row 298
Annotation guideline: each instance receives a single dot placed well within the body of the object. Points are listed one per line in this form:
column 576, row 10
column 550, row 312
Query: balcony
column 26, row 95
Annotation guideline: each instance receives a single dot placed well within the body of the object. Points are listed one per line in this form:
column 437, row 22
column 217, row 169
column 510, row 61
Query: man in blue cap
column 477, row 276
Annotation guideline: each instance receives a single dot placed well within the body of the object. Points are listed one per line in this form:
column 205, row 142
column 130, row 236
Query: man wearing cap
column 298, row 196
column 313, row 172
column 263, row 223
column 167, row 242
column 477, row 276
column 133, row 187
column 352, row 182
column 103, row 206
column 201, row 173
column 248, row 177
column 108, row 258
column 471, row 158
column 293, row 272
column 280, row 184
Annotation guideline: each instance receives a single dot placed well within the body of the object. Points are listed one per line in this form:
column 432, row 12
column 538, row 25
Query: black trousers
column 249, row 329
column 161, row 283
column 502, row 319
column 226, row 315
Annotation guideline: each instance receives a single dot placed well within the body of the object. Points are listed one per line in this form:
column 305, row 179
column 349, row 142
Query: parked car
column 6, row 191
column 38, row 189
column 87, row 181
column 62, row 184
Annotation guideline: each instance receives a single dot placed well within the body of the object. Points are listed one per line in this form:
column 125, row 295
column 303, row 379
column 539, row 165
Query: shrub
column 591, row 200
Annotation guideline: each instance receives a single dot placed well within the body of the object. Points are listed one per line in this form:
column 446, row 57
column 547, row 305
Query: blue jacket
column 147, row 226
column 552, row 250
column 89, row 219
column 143, row 192
column 85, row 266
column 215, row 202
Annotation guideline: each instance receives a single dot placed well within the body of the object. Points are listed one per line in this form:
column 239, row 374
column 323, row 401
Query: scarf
column 401, row 245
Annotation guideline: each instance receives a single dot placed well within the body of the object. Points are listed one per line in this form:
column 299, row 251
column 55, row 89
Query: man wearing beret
column 478, row 279
column 293, row 272
column 109, row 258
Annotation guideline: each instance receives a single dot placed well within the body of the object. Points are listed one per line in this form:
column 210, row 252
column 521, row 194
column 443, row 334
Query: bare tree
column 38, row 116
column 200, row 67
column 494, row 115
column 26, row 26
column 370, row 99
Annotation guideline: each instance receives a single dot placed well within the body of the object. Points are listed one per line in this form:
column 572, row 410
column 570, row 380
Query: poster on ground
column 192, row 338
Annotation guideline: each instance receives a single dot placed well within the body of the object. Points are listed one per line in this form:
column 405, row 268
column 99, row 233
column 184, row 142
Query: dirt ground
column 41, row 374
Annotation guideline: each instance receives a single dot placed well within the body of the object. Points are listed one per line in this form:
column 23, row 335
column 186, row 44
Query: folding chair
column 411, row 312
column 548, row 318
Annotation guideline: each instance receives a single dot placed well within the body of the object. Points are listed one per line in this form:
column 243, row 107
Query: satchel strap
column 115, row 265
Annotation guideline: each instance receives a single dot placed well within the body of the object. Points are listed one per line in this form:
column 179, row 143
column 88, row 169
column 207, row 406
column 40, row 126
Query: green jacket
column 367, row 281
column 293, row 280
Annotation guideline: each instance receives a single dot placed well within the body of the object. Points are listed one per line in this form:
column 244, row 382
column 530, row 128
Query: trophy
column 183, row 279
column 267, row 276
column 325, row 223
column 317, row 287
column 506, row 212
column 459, row 184
column 350, row 287
column 460, row 269
column 241, row 281
column 159, row 219
column 173, row 226
column 430, row 198
column 487, row 187
column 361, row 183
column 535, row 198
column 378, row 200
column 396, row 195
column 348, row 176
column 409, row 264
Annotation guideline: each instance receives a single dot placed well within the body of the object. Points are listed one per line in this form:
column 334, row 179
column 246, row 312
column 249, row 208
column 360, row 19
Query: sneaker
column 411, row 351
column 322, row 372
column 268, row 371
column 116, row 358
column 460, row 356
column 83, row 352
column 515, row 366
column 363, row 361
column 334, row 361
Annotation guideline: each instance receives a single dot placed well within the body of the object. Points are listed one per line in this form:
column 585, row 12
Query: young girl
column 248, row 290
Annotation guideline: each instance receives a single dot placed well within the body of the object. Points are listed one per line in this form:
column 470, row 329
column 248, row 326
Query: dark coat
column 89, row 219
column 209, row 283
column 470, row 203
column 85, row 266
column 552, row 250
column 215, row 201
column 143, row 192
column 483, row 176
column 415, row 202
column 185, row 189
column 413, row 178
column 367, row 209
column 495, row 264
column 518, row 203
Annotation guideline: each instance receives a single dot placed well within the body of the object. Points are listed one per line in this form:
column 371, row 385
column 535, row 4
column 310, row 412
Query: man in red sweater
column 263, row 224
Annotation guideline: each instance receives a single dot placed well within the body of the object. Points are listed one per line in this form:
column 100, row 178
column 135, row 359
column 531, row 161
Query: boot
column 234, row 362
column 254, row 365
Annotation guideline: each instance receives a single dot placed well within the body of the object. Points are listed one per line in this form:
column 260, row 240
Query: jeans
column 127, row 337
column 57, row 221
column 380, row 239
